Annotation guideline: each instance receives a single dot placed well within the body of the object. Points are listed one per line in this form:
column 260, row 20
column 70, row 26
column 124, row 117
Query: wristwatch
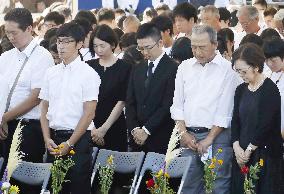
column 70, row 146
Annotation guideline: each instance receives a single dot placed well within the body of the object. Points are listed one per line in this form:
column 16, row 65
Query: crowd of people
column 110, row 80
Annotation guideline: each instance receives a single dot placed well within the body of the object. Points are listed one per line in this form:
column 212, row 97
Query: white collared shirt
column 204, row 95
column 86, row 54
column 156, row 62
column 66, row 88
column 4, row 91
column 31, row 76
column 167, row 50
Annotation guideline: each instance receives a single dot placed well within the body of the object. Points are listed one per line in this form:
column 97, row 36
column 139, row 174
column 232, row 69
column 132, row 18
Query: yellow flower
column 156, row 186
column 14, row 189
column 211, row 166
column 61, row 146
column 167, row 175
column 261, row 162
column 110, row 160
column 220, row 162
column 56, row 150
column 214, row 160
column 160, row 173
column 72, row 152
column 220, row 150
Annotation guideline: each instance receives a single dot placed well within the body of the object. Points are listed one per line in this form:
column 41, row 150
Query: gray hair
column 252, row 12
column 201, row 29
column 212, row 9
column 279, row 15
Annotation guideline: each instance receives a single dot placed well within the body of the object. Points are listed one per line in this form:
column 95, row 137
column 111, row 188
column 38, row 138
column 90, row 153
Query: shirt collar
column 156, row 61
column 215, row 60
column 71, row 65
column 28, row 50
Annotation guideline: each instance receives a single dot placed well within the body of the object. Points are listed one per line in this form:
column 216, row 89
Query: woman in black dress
column 110, row 128
column 256, row 132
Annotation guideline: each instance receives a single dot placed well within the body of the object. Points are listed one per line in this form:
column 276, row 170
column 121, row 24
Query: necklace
column 253, row 89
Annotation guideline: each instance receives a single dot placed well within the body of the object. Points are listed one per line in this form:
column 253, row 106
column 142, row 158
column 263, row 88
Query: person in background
column 131, row 24
column 118, row 14
column 120, row 22
column 110, row 130
column 118, row 52
column 161, row 8
column 165, row 25
column 278, row 24
column 256, row 124
column 106, row 16
column 148, row 14
column 126, row 41
column 40, row 6
column 268, row 15
column 225, row 17
column 181, row 50
column 65, row 11
column 260, row 5
column 133, row 56
column 274, row 53
column 67, row 125
column 269, row 33
column 226, row 42
column 88, row 15
column 209, row 15
column 185, row 16
column 252, row 38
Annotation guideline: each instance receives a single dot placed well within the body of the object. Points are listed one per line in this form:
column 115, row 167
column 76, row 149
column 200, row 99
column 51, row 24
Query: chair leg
column 138, row 184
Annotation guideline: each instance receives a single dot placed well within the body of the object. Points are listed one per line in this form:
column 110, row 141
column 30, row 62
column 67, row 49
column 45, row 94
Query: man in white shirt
column 69, row 98
column 203, row 104
column 23, row 68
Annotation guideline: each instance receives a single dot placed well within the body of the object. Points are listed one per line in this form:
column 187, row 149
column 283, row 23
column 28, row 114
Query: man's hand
column 241, row 158
column 51, row 147
column 3, row 131
column 139, row 136
column 188, row 141
column 98, row 136
column 203, row 145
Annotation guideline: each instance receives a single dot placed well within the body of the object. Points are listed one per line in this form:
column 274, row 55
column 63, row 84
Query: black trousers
column 32, row 145
column 80, row 174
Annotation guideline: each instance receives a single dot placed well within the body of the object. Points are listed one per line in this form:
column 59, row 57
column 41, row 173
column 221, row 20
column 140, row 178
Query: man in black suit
column 150, row 94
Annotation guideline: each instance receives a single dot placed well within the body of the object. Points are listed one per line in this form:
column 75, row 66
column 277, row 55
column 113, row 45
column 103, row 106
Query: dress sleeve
column 235, row 123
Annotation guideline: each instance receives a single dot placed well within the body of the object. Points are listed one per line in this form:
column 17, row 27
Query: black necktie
column 149, row 74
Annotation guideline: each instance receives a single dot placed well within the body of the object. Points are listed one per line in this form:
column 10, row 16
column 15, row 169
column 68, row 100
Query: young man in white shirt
column 69, row 98
column 203, row 104
column 23, row 68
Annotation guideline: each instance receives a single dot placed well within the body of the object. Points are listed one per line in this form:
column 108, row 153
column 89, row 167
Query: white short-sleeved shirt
column 204, row 95
column 4, row 91
column 66, row 88
column 31, row 77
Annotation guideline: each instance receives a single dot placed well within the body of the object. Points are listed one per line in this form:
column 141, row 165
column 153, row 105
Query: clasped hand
column 139, row 136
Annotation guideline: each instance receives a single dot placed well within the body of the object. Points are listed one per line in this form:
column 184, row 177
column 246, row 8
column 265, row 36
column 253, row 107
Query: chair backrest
column 124, row 162
column 1, row 163
column 33, row 173
column 178, row 167
column 94, row 154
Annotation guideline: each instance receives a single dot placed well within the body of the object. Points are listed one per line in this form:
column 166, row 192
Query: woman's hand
column 98, row 135
column 241, row 158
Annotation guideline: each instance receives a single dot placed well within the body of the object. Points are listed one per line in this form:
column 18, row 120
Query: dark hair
column 224, row 14
column 6, row 44
column 261, row 2
column 163, row 23
column 119, row 11
column 252, row 54
column 65, row 11
column 104, row 33
column 85, row 24
column 274, row 48
column 52, row 45
column 105, row 14
column 71, row 29
column 268, row 33
column 252, row 38
column 269, row 11
column 88, row 15
column 48, row 35
column 55, row 17
column 181, row 49
column 185, row 10
column 133, row 56
column 119, row 33
column 151, row 12
column 120, row 22
column 21, row 16
column 127, row 40
column 162, row 7
column 148, row 30
column 224, row 35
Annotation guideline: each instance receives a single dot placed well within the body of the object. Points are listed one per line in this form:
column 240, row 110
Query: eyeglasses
column 240, row 71
column 64, row 41
column 147, row 48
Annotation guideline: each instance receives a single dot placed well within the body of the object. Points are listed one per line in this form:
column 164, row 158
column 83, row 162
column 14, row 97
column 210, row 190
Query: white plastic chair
column 178, row 168
column 124, row 162
column 33, row 174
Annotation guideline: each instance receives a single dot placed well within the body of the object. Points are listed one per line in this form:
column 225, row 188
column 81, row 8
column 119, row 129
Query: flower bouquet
column 106, row 175
column 59, row 169
column 159, row 184
column 250, row 176
column 210, row 171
